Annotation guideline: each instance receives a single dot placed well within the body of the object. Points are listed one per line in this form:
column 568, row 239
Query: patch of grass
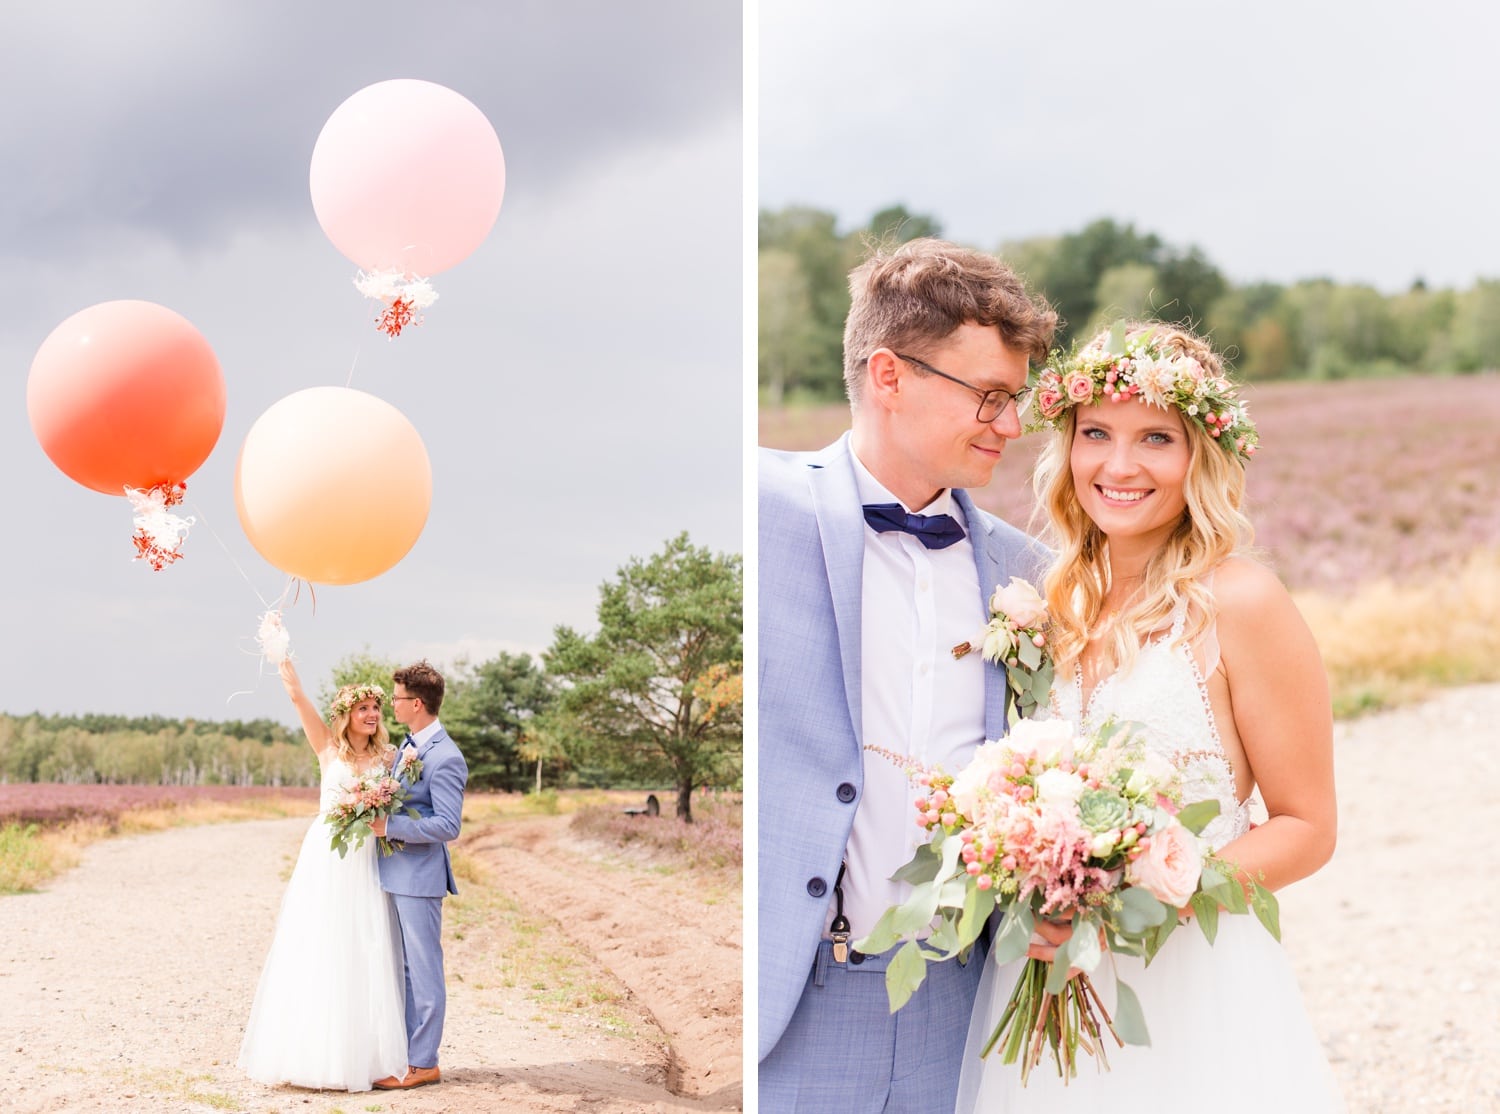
column 28, row 858
column 31, row 856
column 1391, row 644
column 165, row 1083
column 481, row 807
column 499, row 943
column 713, row 842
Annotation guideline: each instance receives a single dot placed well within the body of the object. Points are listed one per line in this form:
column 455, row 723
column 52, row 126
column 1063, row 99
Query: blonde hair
column 1212, row 528
column 339, row 726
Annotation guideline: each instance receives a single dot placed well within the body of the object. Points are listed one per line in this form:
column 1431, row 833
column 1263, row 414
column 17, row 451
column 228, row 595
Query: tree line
column 1313, row 328
column 653, row 697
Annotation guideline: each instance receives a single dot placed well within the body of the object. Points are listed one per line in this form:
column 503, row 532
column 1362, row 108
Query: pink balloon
column 407, row 176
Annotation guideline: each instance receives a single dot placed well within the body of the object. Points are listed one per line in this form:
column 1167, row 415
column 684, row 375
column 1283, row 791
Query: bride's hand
column 289, row 678
column 1047, row 936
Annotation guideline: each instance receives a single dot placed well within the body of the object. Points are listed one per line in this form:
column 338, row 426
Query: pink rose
column 1049, row 402
column 1080, row 387
column 1019, row 602
column 1170, row 867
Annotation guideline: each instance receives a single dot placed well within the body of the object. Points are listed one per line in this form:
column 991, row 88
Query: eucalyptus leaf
column 1117, row 339
column 1029, row 653
column 1196, row 816
column 944, row 938
column 1268, row 909
column 922, row 867
column 917, row 911
column 883, row 936
column 1013, row 938
column 978, row 905
column 907, row 970
column 1139, row 910
column 1206, row 911
column 1130, row 1019
column 1057, row 973
column 954, row 892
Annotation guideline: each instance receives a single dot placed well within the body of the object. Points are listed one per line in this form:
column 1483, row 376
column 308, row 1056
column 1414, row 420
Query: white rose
column 1054, row 786
column 1020, row 603
column 1104, row 843
column 971, row 785
column 1040, row 736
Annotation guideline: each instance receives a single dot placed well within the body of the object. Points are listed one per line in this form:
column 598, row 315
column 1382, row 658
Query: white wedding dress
column 1228, row 1028
column 330, row 1010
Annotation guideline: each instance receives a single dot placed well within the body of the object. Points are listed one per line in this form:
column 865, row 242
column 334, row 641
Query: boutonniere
column 409, row 767
column 1016, row 637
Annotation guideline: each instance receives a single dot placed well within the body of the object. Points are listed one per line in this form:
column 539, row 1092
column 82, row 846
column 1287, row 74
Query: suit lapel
column 841, row 526
column 991, row 573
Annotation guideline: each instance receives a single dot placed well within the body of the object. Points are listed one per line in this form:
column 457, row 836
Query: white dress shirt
column 917, row 604
column 420, row 737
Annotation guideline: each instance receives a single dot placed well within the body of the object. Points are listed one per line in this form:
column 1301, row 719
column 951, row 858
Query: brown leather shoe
column 415, row 1077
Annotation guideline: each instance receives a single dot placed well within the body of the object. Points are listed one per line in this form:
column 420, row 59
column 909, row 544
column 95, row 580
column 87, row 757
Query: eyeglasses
column 396, row 698
column 992, row 403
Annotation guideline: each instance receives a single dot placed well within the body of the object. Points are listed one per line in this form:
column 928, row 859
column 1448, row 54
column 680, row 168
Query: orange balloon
column 126, row 394
column 333, row 485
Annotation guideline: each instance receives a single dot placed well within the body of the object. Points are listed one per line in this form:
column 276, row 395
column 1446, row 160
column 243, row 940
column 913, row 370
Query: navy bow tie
column 935, row 531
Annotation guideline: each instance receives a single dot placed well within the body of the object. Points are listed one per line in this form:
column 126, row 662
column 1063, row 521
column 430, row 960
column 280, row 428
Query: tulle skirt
column 330, row 1010
column 1228, row 1030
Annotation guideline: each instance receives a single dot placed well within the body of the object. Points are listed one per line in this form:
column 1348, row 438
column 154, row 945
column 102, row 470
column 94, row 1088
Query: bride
column 1159, row 618
column 330, row 1008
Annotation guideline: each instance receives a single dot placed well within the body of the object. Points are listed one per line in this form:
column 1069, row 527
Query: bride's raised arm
column 1284, row 719
column 317, row 732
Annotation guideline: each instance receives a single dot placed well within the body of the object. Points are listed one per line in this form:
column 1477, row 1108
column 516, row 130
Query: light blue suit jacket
column 422, row 868
column 809, row 740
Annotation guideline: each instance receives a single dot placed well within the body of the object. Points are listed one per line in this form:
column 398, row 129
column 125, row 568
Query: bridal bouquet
column 1016, row 637
column 1089, row 831
column 368, row 797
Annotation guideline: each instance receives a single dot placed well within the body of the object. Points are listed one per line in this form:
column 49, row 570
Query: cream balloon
column 333, row 485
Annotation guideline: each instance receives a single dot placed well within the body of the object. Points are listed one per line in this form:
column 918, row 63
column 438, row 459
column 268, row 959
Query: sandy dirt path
column 1397, row 939
column 127, row 983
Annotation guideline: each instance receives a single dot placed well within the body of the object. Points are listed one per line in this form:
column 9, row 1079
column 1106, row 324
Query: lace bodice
column 1164, row 691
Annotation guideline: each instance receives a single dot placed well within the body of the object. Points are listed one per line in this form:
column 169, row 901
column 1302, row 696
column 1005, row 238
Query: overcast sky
column 1287, row 138
column 577, row 385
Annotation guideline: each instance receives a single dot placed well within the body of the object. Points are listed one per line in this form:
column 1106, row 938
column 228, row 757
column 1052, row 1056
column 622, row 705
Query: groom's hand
column 378, row 825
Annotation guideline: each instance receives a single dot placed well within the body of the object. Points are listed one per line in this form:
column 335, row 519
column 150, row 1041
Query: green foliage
column 152, row 750
column 654, row 693
column 1313, row 328
column 491, row 709
column 804, row 294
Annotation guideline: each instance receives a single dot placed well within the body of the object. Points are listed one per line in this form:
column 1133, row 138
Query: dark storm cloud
column 119, row 116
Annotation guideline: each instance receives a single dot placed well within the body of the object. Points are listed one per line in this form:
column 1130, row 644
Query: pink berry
column 974, row 868
column 1008, row 863
column 983, row 882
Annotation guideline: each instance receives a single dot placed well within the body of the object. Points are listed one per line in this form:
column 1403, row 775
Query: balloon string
column 215, row 534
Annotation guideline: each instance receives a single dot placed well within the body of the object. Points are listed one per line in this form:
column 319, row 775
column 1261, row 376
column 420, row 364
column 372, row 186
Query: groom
column 873, row 564
column 419, row 874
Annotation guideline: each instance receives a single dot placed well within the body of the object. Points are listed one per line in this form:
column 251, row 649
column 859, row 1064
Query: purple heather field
column 1356, row 480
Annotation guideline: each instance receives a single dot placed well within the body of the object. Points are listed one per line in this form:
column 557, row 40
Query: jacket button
column 816, row 887
column 846, row 792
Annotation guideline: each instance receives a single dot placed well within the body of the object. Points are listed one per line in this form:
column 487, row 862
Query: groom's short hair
column 919, row 293
column 423, row 682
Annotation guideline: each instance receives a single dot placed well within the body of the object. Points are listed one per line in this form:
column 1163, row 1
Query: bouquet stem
column 1035, row 1020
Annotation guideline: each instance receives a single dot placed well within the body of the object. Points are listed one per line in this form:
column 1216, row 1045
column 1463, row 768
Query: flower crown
column 1138, row 366
column 350, row 695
